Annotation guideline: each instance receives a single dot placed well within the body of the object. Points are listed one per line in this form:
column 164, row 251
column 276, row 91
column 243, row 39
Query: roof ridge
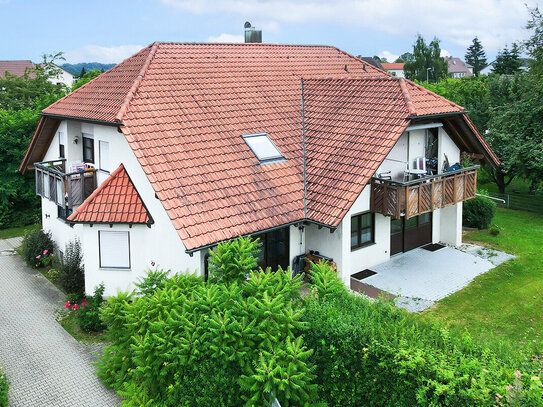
column 137, row 82
column 353, row 77
column 407, row 97
column 361, row 60
column 98, row 190
column 94, row 79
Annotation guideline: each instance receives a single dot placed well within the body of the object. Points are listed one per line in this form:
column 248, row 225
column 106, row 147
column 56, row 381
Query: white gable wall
column 160, row 243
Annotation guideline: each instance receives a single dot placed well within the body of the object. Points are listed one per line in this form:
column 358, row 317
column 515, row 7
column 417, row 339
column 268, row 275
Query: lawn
column 18, row 231
column 504, row 305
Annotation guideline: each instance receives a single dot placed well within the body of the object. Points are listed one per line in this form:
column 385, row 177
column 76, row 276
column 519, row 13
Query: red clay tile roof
column 184, row 107
column 17, row 68
column 102, row 98
column 116, row 200
column 393, row 65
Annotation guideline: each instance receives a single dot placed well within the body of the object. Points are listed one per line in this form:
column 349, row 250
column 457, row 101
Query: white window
column 104, row 155
column 262, row 147
column 114, row 249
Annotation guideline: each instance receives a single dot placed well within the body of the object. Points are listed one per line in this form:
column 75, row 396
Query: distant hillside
column 89, row 66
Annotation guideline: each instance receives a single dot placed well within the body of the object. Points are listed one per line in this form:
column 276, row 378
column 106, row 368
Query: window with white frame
column 114, row 249
column 103, row 146
column 262, row 146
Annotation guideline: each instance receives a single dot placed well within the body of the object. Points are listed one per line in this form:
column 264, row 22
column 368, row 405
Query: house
column 395, row 68
column 458, row 68
column 372, row 62
column 182, row 146
column 18, row 68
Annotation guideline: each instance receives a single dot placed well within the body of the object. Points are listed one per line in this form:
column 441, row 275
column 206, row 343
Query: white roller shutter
column 114, row 249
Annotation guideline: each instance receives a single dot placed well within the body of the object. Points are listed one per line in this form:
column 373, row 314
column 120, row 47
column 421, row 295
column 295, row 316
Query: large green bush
column 372, row 354
column 234, row 260
column 37, row 248
column 71, row 274
column 478, row 212
column 4, row 387
column 194, row 343
column 88, row 312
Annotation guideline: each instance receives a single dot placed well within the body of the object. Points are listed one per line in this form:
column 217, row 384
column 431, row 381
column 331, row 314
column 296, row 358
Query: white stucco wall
column 160, row 243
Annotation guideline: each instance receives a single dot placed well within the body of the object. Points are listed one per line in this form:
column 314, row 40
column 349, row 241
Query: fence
column 530, row 203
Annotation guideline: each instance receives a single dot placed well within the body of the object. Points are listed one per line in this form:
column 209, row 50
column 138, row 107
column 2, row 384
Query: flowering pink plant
column 75, row 307
column 67, row 305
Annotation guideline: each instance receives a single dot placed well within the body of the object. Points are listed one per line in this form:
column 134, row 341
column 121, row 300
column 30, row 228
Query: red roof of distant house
column 393, row 66
column 184, row 107
column 17, row 68
column 116, row 200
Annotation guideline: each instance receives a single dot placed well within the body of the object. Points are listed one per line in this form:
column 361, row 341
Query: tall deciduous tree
column 380, row 59
column 476, row 56
column 427, row 62
column 405, row 57
column 508, row 61
column 534, row 44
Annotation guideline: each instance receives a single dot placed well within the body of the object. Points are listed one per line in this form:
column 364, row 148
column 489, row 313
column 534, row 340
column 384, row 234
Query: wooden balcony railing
column 393, row 198
column 66, row 190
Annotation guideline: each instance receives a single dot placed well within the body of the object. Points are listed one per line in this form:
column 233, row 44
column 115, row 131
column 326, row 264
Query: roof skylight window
column 263, row 147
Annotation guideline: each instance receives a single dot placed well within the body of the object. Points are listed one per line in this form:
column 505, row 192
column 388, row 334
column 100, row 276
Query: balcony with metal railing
column 66, row 189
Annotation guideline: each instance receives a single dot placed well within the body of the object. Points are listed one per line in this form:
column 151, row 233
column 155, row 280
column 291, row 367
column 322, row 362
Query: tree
column 405, row 57
column 427, row 62
column 21, row 100
column 83, row 72
column 89, row 76
column 508, row 61
column 380, row 59
column 476, row 56
column 534, row 44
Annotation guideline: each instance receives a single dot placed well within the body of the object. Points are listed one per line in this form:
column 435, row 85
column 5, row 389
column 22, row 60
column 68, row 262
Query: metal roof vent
column 252, row 35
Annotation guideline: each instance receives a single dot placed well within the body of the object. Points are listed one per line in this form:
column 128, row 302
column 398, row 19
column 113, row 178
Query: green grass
column 503, row 307
column 68, row 321
column 18, row 231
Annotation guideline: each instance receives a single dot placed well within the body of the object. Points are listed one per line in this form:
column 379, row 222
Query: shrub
column 233, row 260
column 4, row 387
column 71, row 274
column 196, row 343
column 495, row 230
column 372, row 354
column 37, row 248
column 154, row 280
column 478, row 212
column 88, row 312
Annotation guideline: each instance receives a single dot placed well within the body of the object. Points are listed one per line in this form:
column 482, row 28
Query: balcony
column 67, row 190
column 412, row 198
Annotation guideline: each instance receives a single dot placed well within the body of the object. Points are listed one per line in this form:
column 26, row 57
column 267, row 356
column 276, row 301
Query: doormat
column 432, row 247
column 363, row 274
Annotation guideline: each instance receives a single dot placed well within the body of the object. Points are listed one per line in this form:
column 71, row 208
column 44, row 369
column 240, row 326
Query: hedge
column 4, row 387
column 372, row 354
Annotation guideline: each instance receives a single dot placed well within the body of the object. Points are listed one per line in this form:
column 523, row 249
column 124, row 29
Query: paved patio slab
column 420, row 277
column 45, row 365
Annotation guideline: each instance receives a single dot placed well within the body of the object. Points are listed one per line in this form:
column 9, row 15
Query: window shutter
column 114, row 249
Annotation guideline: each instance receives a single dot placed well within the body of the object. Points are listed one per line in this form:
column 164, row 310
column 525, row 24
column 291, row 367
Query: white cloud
column 224, row 37
column 390, row 57
column 496, row 22
column 105, row 55
column 445, row 53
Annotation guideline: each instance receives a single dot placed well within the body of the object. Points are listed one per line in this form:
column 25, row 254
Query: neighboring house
column 395, row 68
column 458, row 68
column 372, row 62
column 18, row 68
column 182, row 146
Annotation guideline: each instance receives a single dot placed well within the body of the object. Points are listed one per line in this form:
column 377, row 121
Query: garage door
column 408, row 234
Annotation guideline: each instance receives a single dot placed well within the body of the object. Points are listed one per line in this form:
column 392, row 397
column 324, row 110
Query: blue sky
column 109, row 31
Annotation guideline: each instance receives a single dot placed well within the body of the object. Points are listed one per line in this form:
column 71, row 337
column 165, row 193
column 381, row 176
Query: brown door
column 408, row 234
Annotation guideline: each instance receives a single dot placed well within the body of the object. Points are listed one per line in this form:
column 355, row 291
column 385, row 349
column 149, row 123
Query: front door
column 408, row 234
column 274, row 249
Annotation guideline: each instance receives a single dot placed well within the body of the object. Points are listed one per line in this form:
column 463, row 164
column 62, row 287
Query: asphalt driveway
column 45, row 365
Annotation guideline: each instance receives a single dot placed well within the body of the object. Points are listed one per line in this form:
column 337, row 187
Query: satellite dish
column 247, row 24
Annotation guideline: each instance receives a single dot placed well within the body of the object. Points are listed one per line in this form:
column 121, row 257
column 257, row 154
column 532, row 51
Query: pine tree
column 476, row 56
column 508, row 61
column 83, row 72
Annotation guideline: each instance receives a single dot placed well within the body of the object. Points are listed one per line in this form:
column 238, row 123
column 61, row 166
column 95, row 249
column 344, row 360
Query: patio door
column 274, row 249
column 409, row 234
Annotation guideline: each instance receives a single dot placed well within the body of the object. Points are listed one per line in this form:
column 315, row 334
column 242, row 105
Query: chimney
column 252, row 35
